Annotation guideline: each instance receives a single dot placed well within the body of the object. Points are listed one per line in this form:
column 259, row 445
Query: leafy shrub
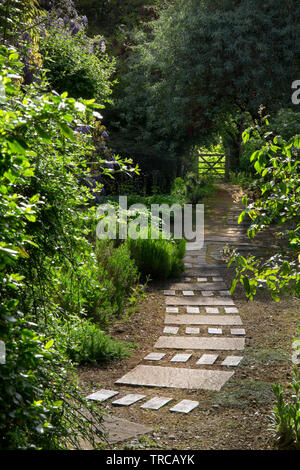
column 160, row 259
column 86, row 343
column 76, row 64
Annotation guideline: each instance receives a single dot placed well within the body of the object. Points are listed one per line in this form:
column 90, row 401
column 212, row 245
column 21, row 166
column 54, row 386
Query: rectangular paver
column 175, row 377
column 215, row 331
column 211, row 309
column 231, row 310
column 185, row 406
column 156, row 403
column 203, row 320
column 192, row 310
column 128, row 399
column 232, row 361
column 207, row 359
column 207, row 293
column 192, row 331
column 169, row 292
column 183, row 342
column 196, row 286
column 172, row 309
column 102, row 395
column 202, row 279
column 181, row 358
column 194, row 301
column 217, row 279
column 188, row 293
column 238, row 331
column 224, row 292
column 171, row 330
column 154, row 356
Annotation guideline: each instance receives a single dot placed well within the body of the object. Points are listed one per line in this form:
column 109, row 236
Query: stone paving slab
column 169, row 292
column 183, row 342
column 170, row 330
column 202, row 279
column 198, row 286
column 238, row 331
column 232, row 361
column 119, row 430
column 231, row 310
column 172, row 309
column 187, row 293
column 217, row 279
column 185, row 406
column 174, row 377
column 128, row 399
column 181, row 358
column 203, row 320
column 102, row 395
column 214, row 301
column 211, row 310
column 154, row 356
column 192, row 310
column 207, row 293
column 224, row 292
column 156, row 403
column 207, row 359
column 215, row 331
column 192, row 331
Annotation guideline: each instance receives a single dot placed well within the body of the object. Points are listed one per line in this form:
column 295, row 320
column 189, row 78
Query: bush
column 86, row 343
column 75, row 66
column 159, row 259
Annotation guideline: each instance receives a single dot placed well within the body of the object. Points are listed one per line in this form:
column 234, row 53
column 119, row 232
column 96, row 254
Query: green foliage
column 86, row 343
column 45, row 223
column 207, row 63
column 277, row 163
column 159, row 259
column 76, row 65
column 286, row 415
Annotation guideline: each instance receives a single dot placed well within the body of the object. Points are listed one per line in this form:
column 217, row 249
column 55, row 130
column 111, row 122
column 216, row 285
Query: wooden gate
column 213, row 164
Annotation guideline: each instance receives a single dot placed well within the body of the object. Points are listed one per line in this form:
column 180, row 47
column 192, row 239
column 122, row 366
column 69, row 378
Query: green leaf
column 66, row 131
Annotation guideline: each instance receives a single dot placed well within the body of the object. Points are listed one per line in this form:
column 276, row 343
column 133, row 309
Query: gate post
column 227, row 167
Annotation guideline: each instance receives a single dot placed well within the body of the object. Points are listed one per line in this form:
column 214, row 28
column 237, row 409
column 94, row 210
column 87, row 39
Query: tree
column 207, row 63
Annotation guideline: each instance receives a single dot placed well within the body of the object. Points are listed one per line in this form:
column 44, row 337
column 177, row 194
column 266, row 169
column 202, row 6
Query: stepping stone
column 192, row 331
column 154, row 356
column 224, row 292
column 171, row 330
column 172, row 309
column 231, row 310
column 215, row 344
column 238, row 331
column 128, row 399
column 181, row 358
column 217, row 279
column 187, row 279
column 232, row 361
column 215, row 331
column 187, row 292
column 156, row 403
column 202, row 279
column 207, row 293
column 184, row 406
column 203, row 320
column 119, row 430
column 207, row 359
column 196, row 286
column 169, row 292
column 102, row 395
column 176, row 377
column 212, row 310
column 215, row 301
column 192, row 310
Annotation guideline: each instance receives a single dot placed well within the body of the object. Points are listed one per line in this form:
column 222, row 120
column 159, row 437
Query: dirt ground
column 237, row 417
